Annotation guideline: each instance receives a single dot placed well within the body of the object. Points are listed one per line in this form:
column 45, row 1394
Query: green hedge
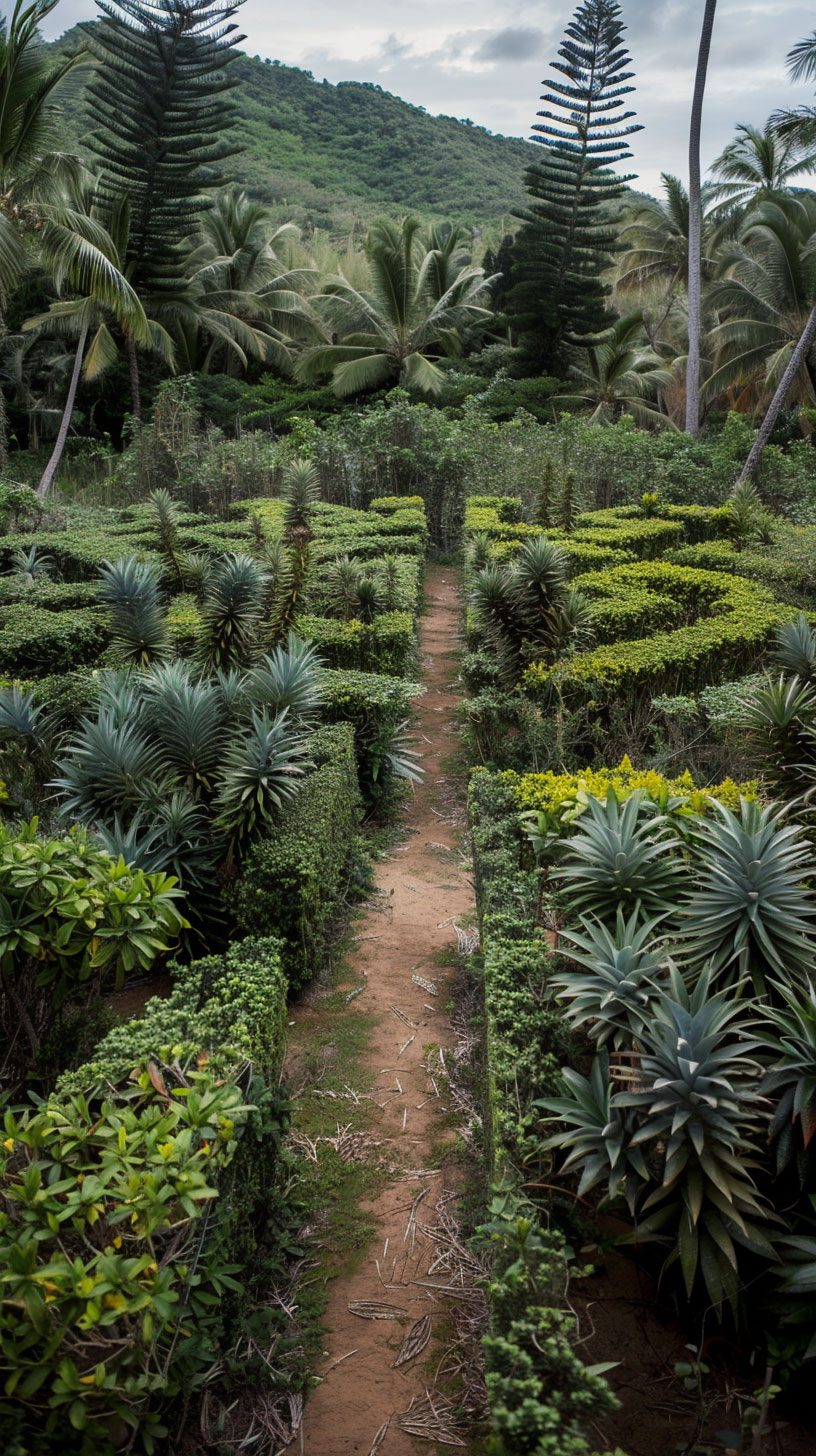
column 408, row 586
column 293, row 883
column 539, row 1391
column 375, row 705
column 735, row 620
column 78, row 553
column 34, row 641
column 113, row 1250
column 386, row 645
column 54, row 596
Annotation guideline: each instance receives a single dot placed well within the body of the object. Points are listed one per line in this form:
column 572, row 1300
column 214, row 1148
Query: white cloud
column 472, row 59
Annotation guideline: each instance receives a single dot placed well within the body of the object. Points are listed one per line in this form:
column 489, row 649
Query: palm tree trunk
column 797, row 359
column 696, row 227
column 135, row 384
column 59, row 445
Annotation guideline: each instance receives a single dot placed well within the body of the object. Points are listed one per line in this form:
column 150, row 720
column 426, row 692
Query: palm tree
column 88, row 256
column 245, row 301
column 399, row 327
column 695, row 283
column 621, row 376
column 757, row 165
column 764, row 301
column 30, row 169
column 799, row 123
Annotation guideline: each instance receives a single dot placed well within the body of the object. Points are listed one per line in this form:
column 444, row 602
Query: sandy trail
column 423, row 888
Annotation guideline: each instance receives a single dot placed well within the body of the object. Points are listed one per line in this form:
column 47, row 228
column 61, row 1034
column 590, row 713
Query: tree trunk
column 135, row 385
column 695, row 284
column 797, row 359
column 65, row 423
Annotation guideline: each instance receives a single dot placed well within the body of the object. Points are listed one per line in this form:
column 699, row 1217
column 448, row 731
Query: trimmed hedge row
column 540, row 1393
column 107, row 1192
column 740, row 619
column 78, row 553
column 293, row 883
column 386, row 645
column 33, row 640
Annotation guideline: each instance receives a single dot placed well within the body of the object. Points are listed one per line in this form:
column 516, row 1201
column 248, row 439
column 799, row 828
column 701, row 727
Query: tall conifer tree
column 565, row 243
column 160, row 112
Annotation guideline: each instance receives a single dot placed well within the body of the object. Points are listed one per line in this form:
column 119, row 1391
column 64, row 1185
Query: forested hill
column 333, row 153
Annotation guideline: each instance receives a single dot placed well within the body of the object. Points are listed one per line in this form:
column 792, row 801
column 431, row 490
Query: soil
column 422, row 891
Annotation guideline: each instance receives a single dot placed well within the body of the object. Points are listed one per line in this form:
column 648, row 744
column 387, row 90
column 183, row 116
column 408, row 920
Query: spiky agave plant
column 478, row 552
column 791, row 1079
column 526, row 610
column 795, row 649
column 597, row 1132
column 232, row 611
column 751, row 913
column 106, row 767
column 624, row 856
column 164, row 518
column 132, row 590
column 343, row 578
column 288, row 677
column 610, row 977
column 779, row 719
column 697, row 1123
column 261, row 771
column 184, row 717
column 31, row 565
column 171, row 836
column 300, row 492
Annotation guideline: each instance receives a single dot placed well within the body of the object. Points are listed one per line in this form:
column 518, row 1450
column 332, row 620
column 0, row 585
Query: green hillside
column 335, row 153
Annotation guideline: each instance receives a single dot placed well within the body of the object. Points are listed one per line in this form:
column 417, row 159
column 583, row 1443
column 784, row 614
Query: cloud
column 450, row 57
column 514, row 43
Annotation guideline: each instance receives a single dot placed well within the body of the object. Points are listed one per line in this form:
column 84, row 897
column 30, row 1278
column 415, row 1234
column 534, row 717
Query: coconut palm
column 85, row 253
column 622, row 375
column 248, row 304
column 765, row 299
column 695, row 279
column 798, row 124
column 757, row 165
column 398, row 328
column 655, row 238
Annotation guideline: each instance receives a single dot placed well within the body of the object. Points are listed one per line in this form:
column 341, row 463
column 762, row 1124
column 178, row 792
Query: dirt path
column 422, row 889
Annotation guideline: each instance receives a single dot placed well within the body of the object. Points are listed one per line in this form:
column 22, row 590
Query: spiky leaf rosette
column 795, row 649
column 752, row 912
column 300, row 491
column 105, row 769
column 261, row 772
column 342, row 582
column 791, row 1079
column 696, row 1116
column 172, row 836
column 619, row 975
column 232, row 611
column 31, row 565
column 624, row 857
column 288, row 677
column 164, row 515
column 132, row 590
column 185, row 718
column 495, row 619
column 779, row 719
column 597, row 1132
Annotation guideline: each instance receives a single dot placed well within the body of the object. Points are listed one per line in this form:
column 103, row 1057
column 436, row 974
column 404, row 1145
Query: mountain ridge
column 331, row 155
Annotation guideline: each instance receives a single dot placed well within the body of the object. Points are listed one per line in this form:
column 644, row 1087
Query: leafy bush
column 294, row 884
column 73, row 918
column 386, row 645
column 562, row 797
column 106, row 1193
column 34, row 641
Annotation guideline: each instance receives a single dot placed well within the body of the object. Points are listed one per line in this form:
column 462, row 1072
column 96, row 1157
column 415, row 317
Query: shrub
column 106, row 1192
column 739, row 620
column 294, row 883
column 560, row 797
column 376, row 706
column 386, row 645
column 73, row 918
column 35, row 641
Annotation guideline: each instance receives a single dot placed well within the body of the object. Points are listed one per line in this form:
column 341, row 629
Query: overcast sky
column 470, row 58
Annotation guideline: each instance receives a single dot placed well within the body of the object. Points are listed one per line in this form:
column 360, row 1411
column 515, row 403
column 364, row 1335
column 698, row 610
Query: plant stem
column 65, row 423
column 696, row 228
